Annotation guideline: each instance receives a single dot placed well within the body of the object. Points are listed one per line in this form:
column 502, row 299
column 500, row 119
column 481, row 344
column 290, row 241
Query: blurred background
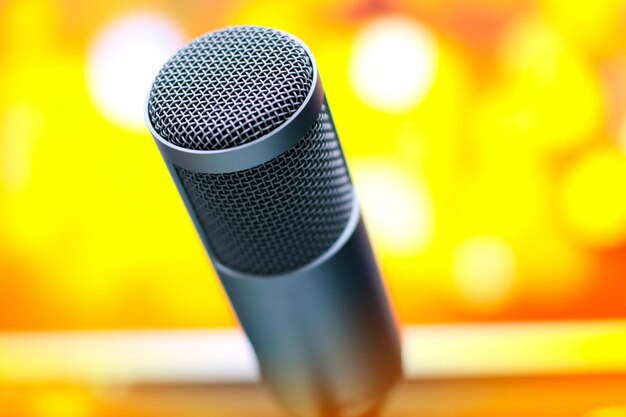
column 487, row 140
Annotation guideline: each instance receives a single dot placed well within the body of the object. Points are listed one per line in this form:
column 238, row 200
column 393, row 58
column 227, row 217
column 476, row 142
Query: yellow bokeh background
column 486, row 140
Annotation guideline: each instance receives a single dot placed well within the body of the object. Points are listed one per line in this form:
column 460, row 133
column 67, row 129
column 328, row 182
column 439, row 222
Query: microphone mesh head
column 280, row 215
column 229, row 88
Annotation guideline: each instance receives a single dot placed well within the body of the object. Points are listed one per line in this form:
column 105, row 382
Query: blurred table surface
column 528, row 369
column 571, row 395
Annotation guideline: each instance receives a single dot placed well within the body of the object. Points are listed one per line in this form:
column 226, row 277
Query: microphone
column 241, row 119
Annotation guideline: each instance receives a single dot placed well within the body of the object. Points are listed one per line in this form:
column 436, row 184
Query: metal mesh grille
column 280, row 215
column 229, row 88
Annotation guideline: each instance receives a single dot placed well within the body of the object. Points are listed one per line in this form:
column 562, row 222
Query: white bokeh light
column 393, row 63
column 123, row 61
column 484, row 271
column 398, row 208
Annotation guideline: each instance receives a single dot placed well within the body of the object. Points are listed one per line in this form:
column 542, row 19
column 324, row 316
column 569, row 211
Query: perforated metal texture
column 281, row 215
column 229, row 87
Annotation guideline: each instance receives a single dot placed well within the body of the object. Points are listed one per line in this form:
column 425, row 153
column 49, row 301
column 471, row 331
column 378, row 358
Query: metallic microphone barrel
column 241, row 119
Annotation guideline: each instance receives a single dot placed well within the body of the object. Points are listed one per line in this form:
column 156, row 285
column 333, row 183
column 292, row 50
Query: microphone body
column 275, row 209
